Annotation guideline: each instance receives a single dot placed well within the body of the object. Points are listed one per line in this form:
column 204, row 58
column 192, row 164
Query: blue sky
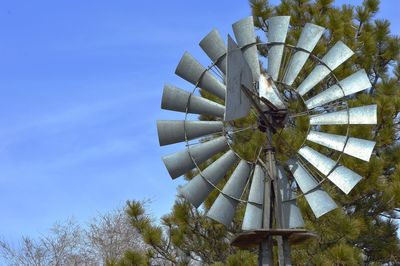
column 80, row 90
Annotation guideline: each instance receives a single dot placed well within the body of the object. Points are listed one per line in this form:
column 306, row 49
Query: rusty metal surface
column 268, row 90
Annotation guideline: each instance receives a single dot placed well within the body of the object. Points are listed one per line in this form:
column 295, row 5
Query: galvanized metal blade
column 223, row 208
column 174, row 131
column 318, row 200
column 215, row 48
column 338, row 54
column 354, row 83
column 291, row 215
column 309, row 38
column 237, row 105
column 268, row 90
column 359, row 148
column 181, row 162
column 245, row 35
column 176, row 99
column 363, row 115
column 254, row 208
column 199, row 187
column 191, row 70
column 277, row 31
column 342, row 177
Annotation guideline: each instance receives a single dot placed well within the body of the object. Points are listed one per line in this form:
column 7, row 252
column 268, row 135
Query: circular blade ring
column 327, row 107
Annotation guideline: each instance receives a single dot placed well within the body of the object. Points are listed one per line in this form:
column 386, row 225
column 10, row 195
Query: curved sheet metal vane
column 176, row 99
column 277, row 30
column 309, row 38
column 359, row 148
column 363, row 115
column 320, row 202
column 174, row 131
column 181, row 162
column 254, row 208
column 291, row 215
column 223, row 208
column 352, row 84
column 200, row 186
column 191, row 70
column 342, row 177
column 245, row 35
column 338, row 54
column 215, row 48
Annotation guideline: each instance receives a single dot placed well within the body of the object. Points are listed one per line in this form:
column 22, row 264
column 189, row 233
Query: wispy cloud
column 70, row 117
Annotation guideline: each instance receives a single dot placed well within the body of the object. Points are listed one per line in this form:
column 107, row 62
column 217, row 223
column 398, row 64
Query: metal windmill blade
column 264, row 187
column 338, row 54
column 308, row 40
column 277, row 30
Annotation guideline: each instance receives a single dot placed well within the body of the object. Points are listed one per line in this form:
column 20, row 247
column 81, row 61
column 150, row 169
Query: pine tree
column 363, row 229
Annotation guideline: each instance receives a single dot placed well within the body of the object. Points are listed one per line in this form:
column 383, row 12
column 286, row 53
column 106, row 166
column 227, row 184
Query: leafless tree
column 111, row 234
column 105, row 238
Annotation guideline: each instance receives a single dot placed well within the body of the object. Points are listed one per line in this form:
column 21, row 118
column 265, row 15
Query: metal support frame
column 272, row 209
column 272, row 204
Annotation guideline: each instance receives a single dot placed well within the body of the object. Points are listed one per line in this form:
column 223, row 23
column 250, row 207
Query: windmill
column 267, row 186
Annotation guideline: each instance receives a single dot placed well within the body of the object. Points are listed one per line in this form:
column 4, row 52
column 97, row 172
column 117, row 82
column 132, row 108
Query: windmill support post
column 272, row 208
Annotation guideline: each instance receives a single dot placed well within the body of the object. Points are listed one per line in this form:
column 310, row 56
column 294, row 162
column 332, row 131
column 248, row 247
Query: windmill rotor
column 242, row 91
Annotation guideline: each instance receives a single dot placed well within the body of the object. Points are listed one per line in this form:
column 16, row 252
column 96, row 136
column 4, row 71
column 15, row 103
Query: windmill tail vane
column 268, row 188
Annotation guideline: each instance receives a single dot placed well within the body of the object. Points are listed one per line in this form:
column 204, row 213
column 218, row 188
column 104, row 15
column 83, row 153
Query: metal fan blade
column 291, row 215
column 268, row 90
column 223, row 208
column 176, row 99
column 359, row 148
column 354, row 83
column 363, row 115
column 197, row 190
column 254, row 208
column 173, row 131
column 277, row 31
column 309, row 38
column 237, row 105
column 334, row 58
column 342, row 177
column 181, row 162
column 320, row 202
column 245, row 35
column 214, row 47
column 191, row 70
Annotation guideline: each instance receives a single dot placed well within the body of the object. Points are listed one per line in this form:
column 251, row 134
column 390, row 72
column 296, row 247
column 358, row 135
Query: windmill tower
column 267, row 186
